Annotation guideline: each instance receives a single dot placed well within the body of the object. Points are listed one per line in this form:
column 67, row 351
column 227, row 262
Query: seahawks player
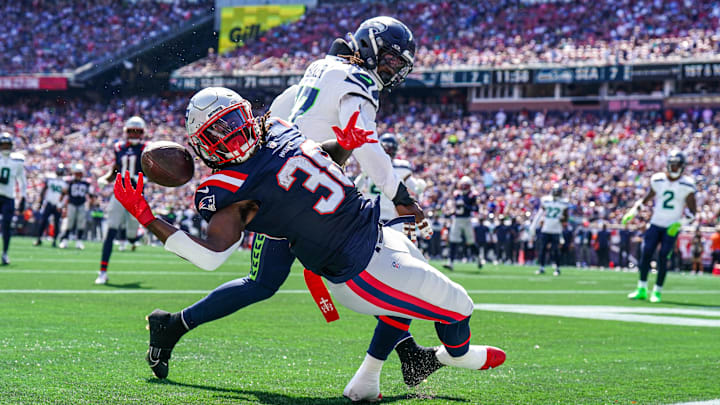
column 403, row 171
column 674, row 205
column 463, row 205
column 127, row 158
column 270, row 179
column 77, row 194
column 554, row 214
column 50, row 199
column 12, row 171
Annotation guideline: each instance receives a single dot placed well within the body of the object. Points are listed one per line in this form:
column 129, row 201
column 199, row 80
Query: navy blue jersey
column 127, row 157
column 303, row 196
column 464, row 205
column 78, row 191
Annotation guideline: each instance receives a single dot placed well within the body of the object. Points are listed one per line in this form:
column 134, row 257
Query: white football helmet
column 134, row 129
column 221, row 127
column 465, row 183
column 78, row 168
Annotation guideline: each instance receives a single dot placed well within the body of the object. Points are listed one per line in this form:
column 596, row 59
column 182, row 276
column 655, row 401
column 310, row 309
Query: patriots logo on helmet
column 207, row 203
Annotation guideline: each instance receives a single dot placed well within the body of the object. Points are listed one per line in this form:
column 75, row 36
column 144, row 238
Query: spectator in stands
column 603, row 246
column 626, row 235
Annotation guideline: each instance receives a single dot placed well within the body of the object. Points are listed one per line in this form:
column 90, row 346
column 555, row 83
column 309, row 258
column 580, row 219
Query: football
column 167, row 163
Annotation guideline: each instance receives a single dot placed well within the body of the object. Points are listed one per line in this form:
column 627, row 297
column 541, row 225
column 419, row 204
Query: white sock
column 642, row 284
column 658, row 289
column 371, row 365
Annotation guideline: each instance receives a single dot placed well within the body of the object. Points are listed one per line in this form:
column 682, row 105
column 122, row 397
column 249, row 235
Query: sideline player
column 554, row 215
column 12, row 170
column 463, row 205
column 308, row 200
column 672, row 194
column 50, row 203
column 127, row 158
column 77, row 194
column 331, row 90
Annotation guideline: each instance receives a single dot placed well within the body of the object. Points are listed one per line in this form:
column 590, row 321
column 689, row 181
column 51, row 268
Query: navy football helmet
column 390, row 144
column 556, row 190
column 6, row 141
column 676, row 162
column 60, row 170
column 387, row 49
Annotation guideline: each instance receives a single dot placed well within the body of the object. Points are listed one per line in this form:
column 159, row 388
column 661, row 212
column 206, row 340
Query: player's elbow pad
column 182, row 245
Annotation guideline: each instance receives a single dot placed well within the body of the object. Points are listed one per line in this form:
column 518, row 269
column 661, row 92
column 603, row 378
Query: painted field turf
column 64, row 340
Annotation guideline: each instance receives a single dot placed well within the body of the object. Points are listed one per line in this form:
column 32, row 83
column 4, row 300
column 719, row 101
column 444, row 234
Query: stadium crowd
column 495, row 33
column 603, row 162
column 54, row 36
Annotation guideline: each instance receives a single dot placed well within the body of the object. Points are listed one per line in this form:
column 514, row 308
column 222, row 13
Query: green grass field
column 64, row 340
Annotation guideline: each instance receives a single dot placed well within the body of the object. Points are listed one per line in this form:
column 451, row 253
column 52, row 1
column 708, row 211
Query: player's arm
column 21, row 180
column 636, row 207
column 224, row 231
column 565, row 216
column 105, row 178
column 691, row 203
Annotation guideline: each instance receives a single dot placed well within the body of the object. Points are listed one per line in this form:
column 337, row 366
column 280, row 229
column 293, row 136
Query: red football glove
column 132, row 199
column 352, row 137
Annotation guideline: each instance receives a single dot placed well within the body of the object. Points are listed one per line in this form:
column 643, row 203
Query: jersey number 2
column 669, row 197
column 328, row 175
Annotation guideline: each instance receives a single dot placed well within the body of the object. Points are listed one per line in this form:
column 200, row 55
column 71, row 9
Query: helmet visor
column 393, row 67
column 675, row 166
column 228, row 136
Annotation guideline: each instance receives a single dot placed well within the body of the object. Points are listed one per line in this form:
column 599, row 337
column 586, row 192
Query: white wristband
column 182, row 245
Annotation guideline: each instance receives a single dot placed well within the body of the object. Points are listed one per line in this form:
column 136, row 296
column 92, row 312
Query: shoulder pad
column 17, row 156
column 546, row 199
column 689, row 182
column 658, row 177
column 216, row 192
column 351, row 79
column 118, row 145
column 401, row 164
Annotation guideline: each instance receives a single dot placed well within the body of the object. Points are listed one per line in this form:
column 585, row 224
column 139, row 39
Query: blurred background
column 518, row 95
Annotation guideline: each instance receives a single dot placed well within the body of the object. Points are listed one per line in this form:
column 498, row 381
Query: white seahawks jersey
column 55, row 186
column 669, row 204
column 369, row 190
column 328, row 94
column 553, row 210
column 12, row 169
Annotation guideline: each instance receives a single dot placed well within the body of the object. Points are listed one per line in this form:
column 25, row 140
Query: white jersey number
column 128, row 163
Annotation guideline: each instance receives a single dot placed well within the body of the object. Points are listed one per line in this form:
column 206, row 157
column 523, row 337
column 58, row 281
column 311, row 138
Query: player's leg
column 44, row 220
column 667, row 246
column 469, row 233
column 71, row 221
column 131, row 231
column 57, row 218
column 410, row 289
column 116, row 216
column 653, row 236
column 81, row 223
column 270, row 266
column 7, row 208
column 555, row 251
column 454, row 240
column 542, row 245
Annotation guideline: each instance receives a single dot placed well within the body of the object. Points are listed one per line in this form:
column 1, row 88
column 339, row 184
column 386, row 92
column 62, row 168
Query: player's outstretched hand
column 132, row 198
column 352, row 137
column 422, row 223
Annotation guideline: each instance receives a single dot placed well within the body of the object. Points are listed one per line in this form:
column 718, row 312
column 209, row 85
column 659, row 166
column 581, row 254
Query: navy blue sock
column 226, row 299
column 388, row 332
column 455, row 336
column 107, row 248
column 453, row 251
column 80, row 234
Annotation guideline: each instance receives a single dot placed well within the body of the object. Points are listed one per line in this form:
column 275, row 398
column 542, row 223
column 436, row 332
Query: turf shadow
column 273, row 398
column 690, row 304
column 133, row 285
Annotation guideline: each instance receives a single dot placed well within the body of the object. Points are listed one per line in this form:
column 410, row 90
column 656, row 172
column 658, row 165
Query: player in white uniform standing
column 402, row 170
column 12, row 171
column 50, row 203
column 347, row 80
column 673, row 206
column 553, row 213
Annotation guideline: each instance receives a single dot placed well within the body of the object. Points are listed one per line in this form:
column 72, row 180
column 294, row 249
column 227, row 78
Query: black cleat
column 417, row 362
column 165, row 331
